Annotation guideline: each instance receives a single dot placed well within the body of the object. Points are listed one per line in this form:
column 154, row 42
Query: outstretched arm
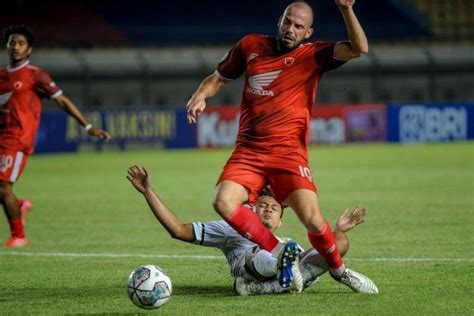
column 358, row 44
column 344, row 223
column 141, row 180
column 208, row 88
column 67, row 105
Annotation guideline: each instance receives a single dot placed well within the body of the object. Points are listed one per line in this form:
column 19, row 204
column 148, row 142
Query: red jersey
column 280, row 90
column 21, row 91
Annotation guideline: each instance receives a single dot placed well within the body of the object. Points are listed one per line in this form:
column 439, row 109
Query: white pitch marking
column 209, row 257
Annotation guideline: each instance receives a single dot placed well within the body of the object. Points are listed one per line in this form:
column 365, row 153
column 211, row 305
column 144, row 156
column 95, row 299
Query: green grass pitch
column 417, row 243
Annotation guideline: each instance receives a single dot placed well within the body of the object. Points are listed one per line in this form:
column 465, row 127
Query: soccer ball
column 149, row 287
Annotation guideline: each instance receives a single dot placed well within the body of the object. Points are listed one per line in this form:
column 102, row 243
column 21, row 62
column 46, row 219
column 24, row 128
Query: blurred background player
column 282, row 76
column 254, row 270
column 22, row 86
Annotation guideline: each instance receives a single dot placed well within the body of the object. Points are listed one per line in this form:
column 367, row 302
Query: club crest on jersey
column 17, row 85
column 289, row 61
column 258, row 82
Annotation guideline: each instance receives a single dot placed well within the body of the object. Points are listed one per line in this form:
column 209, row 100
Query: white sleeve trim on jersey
column 57, row 94
column 199, row 231
column 218, row 74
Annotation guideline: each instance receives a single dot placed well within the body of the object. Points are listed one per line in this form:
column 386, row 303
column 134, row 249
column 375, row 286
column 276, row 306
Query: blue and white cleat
column 287, row 257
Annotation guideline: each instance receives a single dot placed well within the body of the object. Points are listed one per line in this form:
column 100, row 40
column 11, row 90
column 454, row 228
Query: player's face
column 269, row 211
column 294, row 26
column 18, row 48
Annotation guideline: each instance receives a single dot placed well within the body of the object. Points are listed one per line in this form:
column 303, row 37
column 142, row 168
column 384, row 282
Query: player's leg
column 259, row 270
column 12, row 164
column 245, row 287
column 242, row 179
column 228, row 200
column 306, row 206
column 13, row 214
column 313, row 265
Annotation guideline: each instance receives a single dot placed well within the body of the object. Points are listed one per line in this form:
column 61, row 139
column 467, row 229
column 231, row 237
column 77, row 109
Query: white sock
column 264, row 263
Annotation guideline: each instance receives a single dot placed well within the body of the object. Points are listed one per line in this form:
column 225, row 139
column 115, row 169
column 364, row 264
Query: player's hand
column 348, row 220
column 345, row 3
column 97, row 132
column 195, row 107
column 139, row 178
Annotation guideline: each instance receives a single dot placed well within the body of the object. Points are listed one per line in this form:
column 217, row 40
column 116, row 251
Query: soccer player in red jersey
column 22, row 86
column 282, row 75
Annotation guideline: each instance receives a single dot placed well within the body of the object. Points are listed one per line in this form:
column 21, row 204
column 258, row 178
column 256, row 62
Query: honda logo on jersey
column 258, row 82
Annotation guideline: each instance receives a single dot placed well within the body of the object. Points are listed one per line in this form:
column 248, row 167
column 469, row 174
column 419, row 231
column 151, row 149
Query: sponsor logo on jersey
column 5, row 162
column 4, row 98
column 289, row 61
column 258, row 82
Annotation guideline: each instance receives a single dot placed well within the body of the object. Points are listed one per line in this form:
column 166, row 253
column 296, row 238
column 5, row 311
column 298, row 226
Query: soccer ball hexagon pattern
column 149, row 287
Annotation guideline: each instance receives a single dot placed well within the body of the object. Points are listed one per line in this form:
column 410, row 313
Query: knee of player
column 223, row 205
column 314, row 223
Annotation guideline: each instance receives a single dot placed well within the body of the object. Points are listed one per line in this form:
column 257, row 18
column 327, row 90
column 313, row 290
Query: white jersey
column 219, row 234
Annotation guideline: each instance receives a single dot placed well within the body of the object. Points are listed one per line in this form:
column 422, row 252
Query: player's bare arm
column 208, row 88
column 67, row 105
column 358, row 44
column 141, row 181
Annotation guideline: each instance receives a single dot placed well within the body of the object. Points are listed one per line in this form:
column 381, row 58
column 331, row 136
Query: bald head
column 295, row 24
column 303, row 9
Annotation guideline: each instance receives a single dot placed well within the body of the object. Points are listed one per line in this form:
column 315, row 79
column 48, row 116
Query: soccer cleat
column 298, row 281
column 16, row 242
column 287, row 257
column 25, row 208
column 358, row 282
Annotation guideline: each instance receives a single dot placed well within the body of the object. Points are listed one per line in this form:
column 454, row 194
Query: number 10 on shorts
column 306, row 173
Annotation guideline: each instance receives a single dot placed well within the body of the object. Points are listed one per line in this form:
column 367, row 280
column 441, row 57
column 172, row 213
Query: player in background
column 281, row 79
column 254, row 270
column 22, row 86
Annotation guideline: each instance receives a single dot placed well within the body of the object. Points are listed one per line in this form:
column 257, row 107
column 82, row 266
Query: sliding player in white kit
column 254, row 270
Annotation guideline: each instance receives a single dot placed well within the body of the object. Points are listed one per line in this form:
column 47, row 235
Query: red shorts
column 12, row 164
column 284, row 174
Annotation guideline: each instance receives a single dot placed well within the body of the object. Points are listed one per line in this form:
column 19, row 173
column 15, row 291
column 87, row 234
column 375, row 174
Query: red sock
column 17, row 228
column 325, row 244
column 247, row 224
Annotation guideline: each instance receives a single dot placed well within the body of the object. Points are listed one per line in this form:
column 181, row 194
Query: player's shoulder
column 36, row 69
column 255, row 38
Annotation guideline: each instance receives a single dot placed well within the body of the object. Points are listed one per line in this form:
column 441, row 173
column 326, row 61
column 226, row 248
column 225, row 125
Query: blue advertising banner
column 430, row 122
column 130, row 129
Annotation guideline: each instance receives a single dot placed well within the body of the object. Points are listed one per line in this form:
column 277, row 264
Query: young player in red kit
column 282, row 75
column 22, row 86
